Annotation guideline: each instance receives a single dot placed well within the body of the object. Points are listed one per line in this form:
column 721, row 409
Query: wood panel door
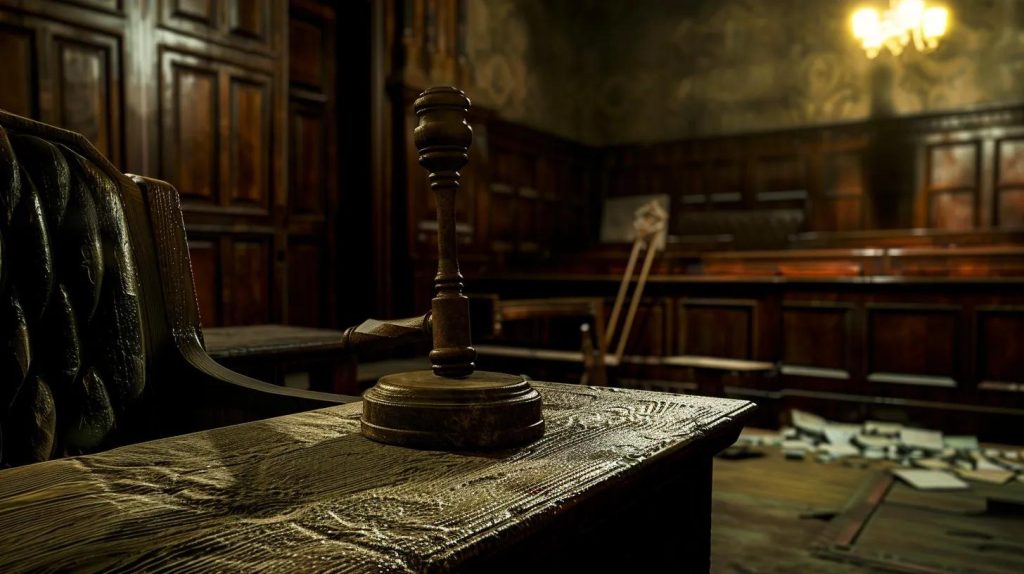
column 197, row 92
column 64, row 74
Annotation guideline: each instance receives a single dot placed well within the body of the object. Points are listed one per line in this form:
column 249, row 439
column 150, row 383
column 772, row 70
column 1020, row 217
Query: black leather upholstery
column 72, row 358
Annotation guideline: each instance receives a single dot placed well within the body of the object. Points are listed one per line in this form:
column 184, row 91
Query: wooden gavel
column 452, row 407
column 442, row 139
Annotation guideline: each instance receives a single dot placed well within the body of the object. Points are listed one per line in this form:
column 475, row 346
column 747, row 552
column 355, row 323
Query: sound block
column 481, row 411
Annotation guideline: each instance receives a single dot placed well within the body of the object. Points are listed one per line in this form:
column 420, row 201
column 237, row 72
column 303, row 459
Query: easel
column 649, row 226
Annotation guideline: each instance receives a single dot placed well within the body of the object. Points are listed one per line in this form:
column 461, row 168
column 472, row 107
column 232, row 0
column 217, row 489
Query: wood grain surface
column 307, row 492
column 270, row 339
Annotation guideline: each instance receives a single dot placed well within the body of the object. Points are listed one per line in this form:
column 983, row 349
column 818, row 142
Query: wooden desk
column 622, row 479
column 303, row 357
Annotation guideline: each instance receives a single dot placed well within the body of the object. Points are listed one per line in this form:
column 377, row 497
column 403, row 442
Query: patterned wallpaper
column 525, row 63
column 628, row 71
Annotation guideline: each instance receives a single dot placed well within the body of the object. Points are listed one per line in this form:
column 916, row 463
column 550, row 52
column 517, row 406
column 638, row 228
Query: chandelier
column 905, row 22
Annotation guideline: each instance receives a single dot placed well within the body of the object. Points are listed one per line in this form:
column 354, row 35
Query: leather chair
column 100, row 341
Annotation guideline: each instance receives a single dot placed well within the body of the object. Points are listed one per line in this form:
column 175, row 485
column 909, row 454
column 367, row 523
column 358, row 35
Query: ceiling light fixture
column 905, row 22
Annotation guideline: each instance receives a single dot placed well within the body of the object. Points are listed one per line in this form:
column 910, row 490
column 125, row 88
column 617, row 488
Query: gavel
column 452, row 406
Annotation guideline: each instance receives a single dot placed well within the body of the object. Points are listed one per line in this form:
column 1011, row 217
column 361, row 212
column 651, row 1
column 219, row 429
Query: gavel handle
column 372, row 335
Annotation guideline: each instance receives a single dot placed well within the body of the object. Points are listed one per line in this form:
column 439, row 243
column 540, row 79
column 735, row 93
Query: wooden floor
column 769, row 513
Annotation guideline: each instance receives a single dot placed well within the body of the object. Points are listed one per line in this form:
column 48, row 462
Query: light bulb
column 934, row 22
column 865, row 23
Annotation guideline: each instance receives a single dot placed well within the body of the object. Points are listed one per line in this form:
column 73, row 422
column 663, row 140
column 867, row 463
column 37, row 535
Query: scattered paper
column 961, row 442
column 841, row 433
column 809, row 423
column 839, row 450
column 874, row 442
column 921, row 438
column 797, row 444
column 874, row 453
column 933, row 464
column 882, row 428
column 991, row 476
column 983, row 463
column 1010, row 464
column 930, row 479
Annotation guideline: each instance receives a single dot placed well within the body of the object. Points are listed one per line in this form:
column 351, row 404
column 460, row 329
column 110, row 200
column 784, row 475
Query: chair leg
column 593, row 360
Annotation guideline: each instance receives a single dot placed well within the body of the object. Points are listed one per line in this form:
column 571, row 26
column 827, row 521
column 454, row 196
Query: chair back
column 73, row 356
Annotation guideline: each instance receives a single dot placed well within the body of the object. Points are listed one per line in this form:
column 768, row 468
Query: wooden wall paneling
column 576, row 226
column 194, row 92
column 1009, row 186
column 651, row 332
column 781, row 181
column 999, row 347
column 113, row 6
column 88, row 89
column 191, row 109
column 206, row 272
column 952, row 209
column 310, row 153
column 844, row 197
column 218, row 142
column 307, row 295
column 313, row 165
column 953, row 171
column 725, row 181
column 692, row 193
column 914, row 344
column 20, row 88
column 66, row 71
column 722, row 328
column 204, row 12
column 249, row 19
column 248, row 280
column 817, row 339
column 550, row 190
column 252, row 24
column 504, row 200
column 529, row 219
column 308, row 51
column 248, row 163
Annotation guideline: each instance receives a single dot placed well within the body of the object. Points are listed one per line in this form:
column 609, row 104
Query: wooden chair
column 597, row 336
column 100, row 340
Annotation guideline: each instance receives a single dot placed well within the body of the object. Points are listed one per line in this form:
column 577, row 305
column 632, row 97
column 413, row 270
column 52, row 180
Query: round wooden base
column 482, row 411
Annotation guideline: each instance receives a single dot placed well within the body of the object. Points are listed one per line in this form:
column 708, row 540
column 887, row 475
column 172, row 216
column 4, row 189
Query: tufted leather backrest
column 72, row 352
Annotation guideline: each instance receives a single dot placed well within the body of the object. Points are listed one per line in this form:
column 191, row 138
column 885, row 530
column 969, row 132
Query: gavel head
column 442, row 137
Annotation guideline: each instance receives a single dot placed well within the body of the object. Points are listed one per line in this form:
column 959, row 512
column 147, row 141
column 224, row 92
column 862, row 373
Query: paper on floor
column 983, row 463
column 992, row 476
column 930, row 479
column 882, row 428
column 874, row 442
column 933, row 464
column 839, row 450
column 841, row 433
column 922, row 438
column 809, row 423
column 961, row 442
